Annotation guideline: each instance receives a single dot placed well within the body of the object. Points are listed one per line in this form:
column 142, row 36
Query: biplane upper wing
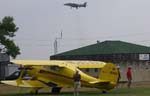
column 86, row 64
column 38, row 62
column 78, row 64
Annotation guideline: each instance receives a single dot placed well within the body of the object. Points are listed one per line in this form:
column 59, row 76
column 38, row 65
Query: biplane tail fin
column 109, row 73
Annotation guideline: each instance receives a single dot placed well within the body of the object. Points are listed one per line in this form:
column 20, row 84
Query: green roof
column 108, row 47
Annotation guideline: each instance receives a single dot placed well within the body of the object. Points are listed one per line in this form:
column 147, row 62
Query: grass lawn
column 135, row 91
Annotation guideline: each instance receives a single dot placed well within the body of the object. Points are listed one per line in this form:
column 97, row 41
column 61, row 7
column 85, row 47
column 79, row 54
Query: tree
column 7, row 32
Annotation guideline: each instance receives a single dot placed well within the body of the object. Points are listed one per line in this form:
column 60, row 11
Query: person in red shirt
column 129, row 76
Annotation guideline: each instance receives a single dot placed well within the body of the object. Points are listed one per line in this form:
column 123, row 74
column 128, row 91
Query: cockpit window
column 16, row 73
column 54, row 68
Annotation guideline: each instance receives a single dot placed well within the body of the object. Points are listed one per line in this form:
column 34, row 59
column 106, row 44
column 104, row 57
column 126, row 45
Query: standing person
column 77, row 84
column 119, row 76
column 129, row 76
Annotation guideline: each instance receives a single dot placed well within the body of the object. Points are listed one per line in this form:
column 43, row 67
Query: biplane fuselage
column 59, row 74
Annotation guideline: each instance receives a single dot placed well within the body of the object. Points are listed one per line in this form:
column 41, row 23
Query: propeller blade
column 19, row 80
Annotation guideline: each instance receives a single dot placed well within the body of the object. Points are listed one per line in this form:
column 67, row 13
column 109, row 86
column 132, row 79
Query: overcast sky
column 41, row 21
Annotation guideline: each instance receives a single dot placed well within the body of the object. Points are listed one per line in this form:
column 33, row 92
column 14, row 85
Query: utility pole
column 56, row 43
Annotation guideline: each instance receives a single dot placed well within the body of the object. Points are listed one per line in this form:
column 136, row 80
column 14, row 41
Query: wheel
column 34, row 91
column 103, row 91
column 56, row 90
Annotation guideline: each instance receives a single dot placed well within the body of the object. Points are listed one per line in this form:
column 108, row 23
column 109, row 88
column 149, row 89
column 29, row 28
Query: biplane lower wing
column 26, row 83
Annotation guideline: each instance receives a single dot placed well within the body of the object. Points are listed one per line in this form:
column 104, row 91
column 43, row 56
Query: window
column 87, row 70
column 96, row 70
column 55, row 68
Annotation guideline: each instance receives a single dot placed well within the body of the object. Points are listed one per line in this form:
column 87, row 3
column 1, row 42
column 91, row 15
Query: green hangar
column 121, row 53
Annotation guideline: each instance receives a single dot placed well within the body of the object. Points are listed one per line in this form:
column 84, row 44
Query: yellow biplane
column 58, row 74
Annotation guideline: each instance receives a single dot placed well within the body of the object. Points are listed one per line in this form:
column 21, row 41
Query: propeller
column 23, row 71
column 19, row 80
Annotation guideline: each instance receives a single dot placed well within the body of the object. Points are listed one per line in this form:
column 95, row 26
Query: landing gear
column 56, row 90
column 104, row 91
column 34, row 91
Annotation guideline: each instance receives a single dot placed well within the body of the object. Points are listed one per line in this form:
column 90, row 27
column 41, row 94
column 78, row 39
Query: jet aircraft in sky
column 57, row 74
column 74, row 5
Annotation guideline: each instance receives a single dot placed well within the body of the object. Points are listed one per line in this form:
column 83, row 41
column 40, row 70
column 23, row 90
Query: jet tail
column 109, row 73
column 85, row 4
